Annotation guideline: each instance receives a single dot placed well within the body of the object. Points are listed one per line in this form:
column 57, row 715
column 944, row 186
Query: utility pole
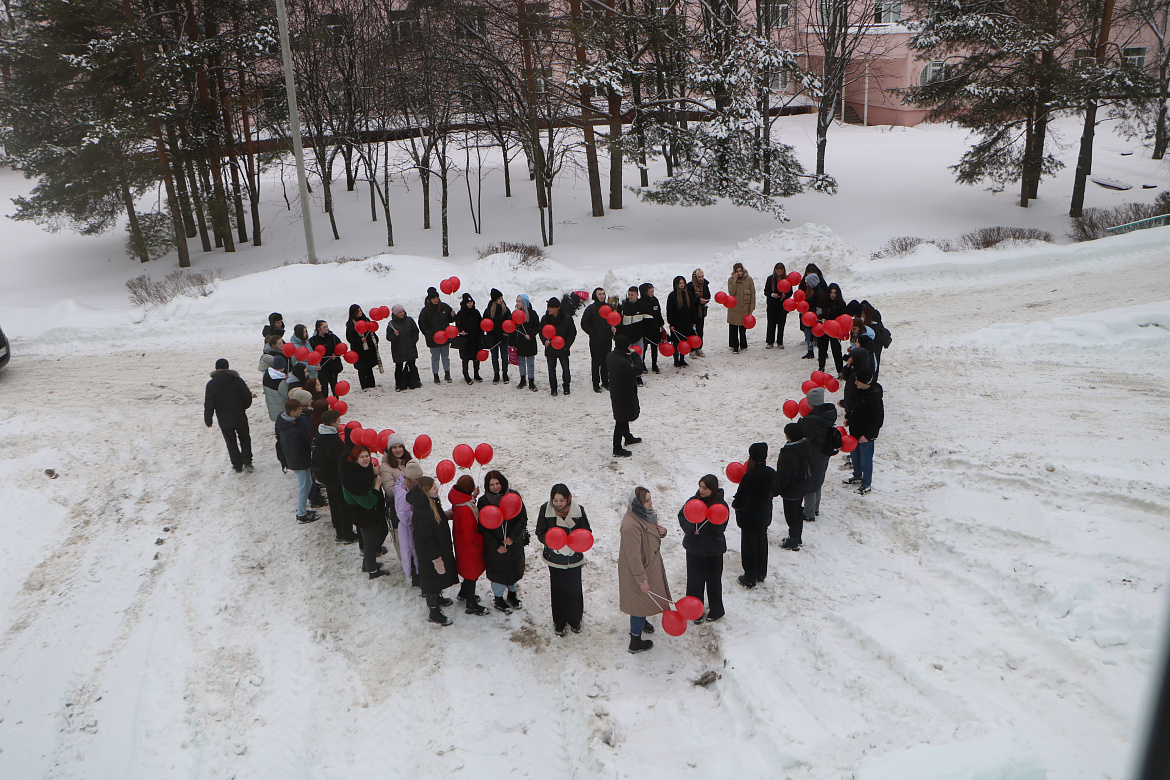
column 294, row 119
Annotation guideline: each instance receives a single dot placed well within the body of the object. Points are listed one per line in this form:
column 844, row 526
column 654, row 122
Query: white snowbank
column 1146, row 326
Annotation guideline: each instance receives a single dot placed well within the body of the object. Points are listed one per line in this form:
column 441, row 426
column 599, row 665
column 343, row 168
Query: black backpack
column 882, row 334
column 832, row 444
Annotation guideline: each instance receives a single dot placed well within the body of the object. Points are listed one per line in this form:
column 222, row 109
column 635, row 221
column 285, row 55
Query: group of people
column 438, row 547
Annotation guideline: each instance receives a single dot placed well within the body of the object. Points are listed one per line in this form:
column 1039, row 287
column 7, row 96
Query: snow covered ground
column 991, row 610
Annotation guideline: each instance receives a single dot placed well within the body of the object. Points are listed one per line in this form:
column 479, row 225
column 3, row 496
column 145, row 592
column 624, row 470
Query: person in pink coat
column 411, row 473
column 468, row 541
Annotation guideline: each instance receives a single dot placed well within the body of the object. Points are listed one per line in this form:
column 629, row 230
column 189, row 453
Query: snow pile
column 996, row 756
column 1145, row 327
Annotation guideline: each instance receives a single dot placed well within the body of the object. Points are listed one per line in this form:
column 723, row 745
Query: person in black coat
column 652, row 322
column 364, row 344
column 865, row 420
column 775, row 295
column 361, row 487
column 328, row 450
column 625, row 368
column 793, row 476
column 434, row 317
column 403, row 334
column 682, row 312
column 699, row 287
column 564, row 564
column 275, row 326
column 815, row 293
column 331, row 363
column 432, row 543
column 496, row 341
column 815, row 427
column 753, row 514
column 292, row 430
column 705, row 543
column 503, row 547
column 228, row 397
column 600, row 334
column 526, row 341
column 468, row 322
column 565, row 328
column 632, row 316
column 834, row 307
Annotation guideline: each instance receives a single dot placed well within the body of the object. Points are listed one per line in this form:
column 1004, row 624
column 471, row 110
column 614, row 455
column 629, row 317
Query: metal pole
column 865, row 120
column 294, row 119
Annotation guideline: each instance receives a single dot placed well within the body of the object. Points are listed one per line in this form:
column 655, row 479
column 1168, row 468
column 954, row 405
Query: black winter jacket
column 358, row 482
column 775, row 305
column 574, row 519
column 504, row 568
column 596, row 328
column 815, row 426
column 566, row 329
column 632, row 315
column 368, row 350
column 432, row 539
column 794, row 469
column 497, row 314
column 624, row 370
column 403, row 334
column 527, row 347
column 652, row 320
column 701, row 294
column 868, row 413
column 705, row 538
column 229, row 397
column 328, row 450
column 467, row 321
column 296, row 441
column 331, row 364
column 680, row 316
column 431, row 321
column 753, row 500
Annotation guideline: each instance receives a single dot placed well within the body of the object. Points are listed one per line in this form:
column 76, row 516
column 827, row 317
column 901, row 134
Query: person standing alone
column 228, row 396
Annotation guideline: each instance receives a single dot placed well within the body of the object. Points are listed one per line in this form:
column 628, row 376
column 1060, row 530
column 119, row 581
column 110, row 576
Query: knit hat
column 221, row 364
column 398, row 307
column 279, row 363
column 432, row 293
column 815, row 397
column 621, row 344
column 812, row 280
column 793, row 432
column 395, row 438
column 302, row 395
column 275, row 317
column 496, row 294
column 466, row 297
column 554, row 303
column 758, row 451
column 465, row 484
column 412, row 470
column 266, row 360
column 853, row 308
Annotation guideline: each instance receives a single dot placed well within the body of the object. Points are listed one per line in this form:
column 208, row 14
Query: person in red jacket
column 468, row 541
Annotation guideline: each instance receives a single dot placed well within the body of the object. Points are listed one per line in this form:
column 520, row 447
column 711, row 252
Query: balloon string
column 664, row 598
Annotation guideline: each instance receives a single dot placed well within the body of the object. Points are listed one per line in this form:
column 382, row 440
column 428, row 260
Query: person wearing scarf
column 642, row 587
column 705, row 543
column 434, row 317
column 524, row 340
column 402, row 331
column 432, row 542
column 503, row 547
column 564, row 564
column 361, row 486
column 364, row 344
column 496, row 341
column 468, row 322
column 468, row 541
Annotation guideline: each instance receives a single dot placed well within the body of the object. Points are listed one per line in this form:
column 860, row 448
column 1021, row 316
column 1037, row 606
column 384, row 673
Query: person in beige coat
column 741, row 287
column 642, row 582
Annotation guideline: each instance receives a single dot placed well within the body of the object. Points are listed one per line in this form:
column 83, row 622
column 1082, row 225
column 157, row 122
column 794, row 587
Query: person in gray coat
column 814, row 427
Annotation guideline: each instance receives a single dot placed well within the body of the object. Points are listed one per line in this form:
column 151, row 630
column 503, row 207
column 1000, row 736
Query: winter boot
column 437, row 616
column 378, row 573
column 532, row 385
column 466, row 376
column 478, row 378
column 447, row 376
column 445, row 602
column 523, row 383
column 437, row 380
column 554, row 391
column 502, row 605
column 790, row 544
column 475, row 608
column 638, row 644
column 622, row 453
column 514, row 600
column 566, row 388
column 505, row 379
column 495, row 377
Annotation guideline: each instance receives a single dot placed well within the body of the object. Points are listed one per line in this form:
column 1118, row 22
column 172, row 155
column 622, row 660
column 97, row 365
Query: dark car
column 5, row 350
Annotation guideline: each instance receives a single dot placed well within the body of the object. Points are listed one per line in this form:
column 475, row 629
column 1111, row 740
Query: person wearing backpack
column 865, row 419
column 793, row 476
column 824, row 441
column 882, row 337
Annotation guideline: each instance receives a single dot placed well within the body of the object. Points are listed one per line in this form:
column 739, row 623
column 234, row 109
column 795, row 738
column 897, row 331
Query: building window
column 887, row 12
column 542, row 80
column 1083, row 58
column 1134, row 57
column 774, row 14
column 934, row 71
column 778, row 81
column 471, row 25
column 404, row 25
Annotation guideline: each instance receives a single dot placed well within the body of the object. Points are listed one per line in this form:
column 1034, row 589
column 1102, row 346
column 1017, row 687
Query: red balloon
column 556, row 538
column 794, row 278
column 319, row 349
column 789, row 304
column 833, row 329
column 340, row 349
column 519, row 316
column 332, row 401
column 581, row 540
column 384, row 437
column 440, row 337
column 445, row 287
column 637, row 349
column 799, row 295
column 341, row 388
column 841, row 429
column 372, row 326
column 302, row 353
column 791, row 409
column 684, row 349
column 369, row 437
column 486, row 325
column 689, row 607
column 848, row 443
column 557, row 342
column 818, row 330
column 720, row 297
column 289, row 350
column 783, row 286
column 804, row 408
column 718, row 514
column 695, row 342
column 695, row 510
column 818, row 377
column 730, row 302
column 351, row 357
column 483, row 454
column 341, row 407
column 604, row 311
column 313, row 358
column 445, row 471
column 809, row 319
column 352, row 423
column 491, row 517
column 807, row 385
column 667, row 349
column 734, row 471
column 360, row 326
column 846, row 323
column 802, row 307
column 832, row 385
column 509, row 326
column 463, row 455
column 673, row 623
column 374, row 463
column 510, row 505
column 451, row 331
column 614, row 318
column 749, row 321
column 548, row 331
column 482, row 355
column 454, row 282
column 422, row 446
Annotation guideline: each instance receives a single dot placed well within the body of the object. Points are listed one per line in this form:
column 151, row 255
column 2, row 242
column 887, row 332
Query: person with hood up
column 741, row 287
column 865, row 419
column 777, row 314
column 600, row 334
column 411, row 474
column 814, row 428
column 642, row 586
column 625, row 369
column 227, row 397
column 293, row 434
column 434, row 317
column 300, row 338
column 832, row 308
column 361, row 486
column 275, row 326
column 503, row 547
column 496, row 341
column 403, row 333
column 468, row 322
column 364, row 344
column 331, row 363
column 432, row 540
column 793, row 477
column 468, row 541
column 753, row 514
column 700, row 288
column 682, row 312
column 328, row 450
column 705, row 543
column 815, row 290
column 563, row 326
column 564, row 563
column 652, row 322
column 524, row 340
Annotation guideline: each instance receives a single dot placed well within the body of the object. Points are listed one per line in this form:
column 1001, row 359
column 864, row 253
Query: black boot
column 554, row 391
column 502, row 605
column 475, row 608
column 523, row 383
column 478, row 378
column 495, row 377
column 532, row 385
column 447, row 375
column 566, row 388
column 638, row 644
column 437, row 616
column 437, row 380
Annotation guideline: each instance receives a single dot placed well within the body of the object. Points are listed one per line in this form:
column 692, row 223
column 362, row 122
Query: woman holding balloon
column 833, row 306
column 564, row 530
column 741, row 292
column 527, row 323
column 682, row 312
column 777, row 290
column 433, row 321
column 505, row 532
column 496, row 338
column 597, row 325
column 326, row 343
column 643, row 590
column 469, row 324
column 703, row 520
column 360, row 332
column 753, row 513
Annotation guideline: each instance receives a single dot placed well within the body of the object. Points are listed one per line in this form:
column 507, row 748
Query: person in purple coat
column 411, row 473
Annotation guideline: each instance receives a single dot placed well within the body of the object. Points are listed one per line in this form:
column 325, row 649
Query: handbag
column 513, row 357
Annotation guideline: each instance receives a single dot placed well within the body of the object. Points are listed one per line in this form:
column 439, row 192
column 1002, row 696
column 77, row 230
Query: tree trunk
column 386, row 200
column 1025, row 190
column 424, row 174
column 180, row 181
column 587, row 126
column 615, row 155
column 1161, row 129
column 197, row 205
column 135, row 228
column 443, row 201
column 1084, row 160
column 327, row 190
